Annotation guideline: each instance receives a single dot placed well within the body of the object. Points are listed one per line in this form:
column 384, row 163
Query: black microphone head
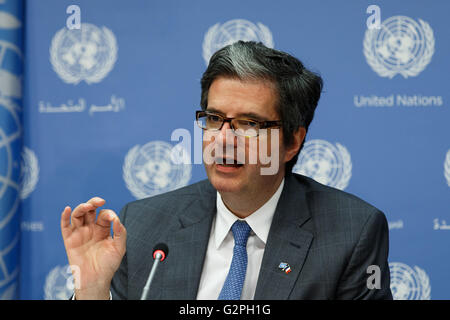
column 161, row 247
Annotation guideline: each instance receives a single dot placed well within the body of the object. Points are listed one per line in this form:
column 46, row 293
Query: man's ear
column 297, row 141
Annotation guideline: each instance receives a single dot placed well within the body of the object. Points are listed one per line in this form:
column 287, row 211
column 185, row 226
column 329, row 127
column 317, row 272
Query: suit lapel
column 287, row 242
column 188, row 241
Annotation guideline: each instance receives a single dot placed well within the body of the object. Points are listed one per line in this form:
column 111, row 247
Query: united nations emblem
column 219, row 36
column 401, row 46
column 328, row 164
column 447, row 168
column 29, row 174
column 150, row 170
column 59, row 283
column 408, row 283
column 88, row 53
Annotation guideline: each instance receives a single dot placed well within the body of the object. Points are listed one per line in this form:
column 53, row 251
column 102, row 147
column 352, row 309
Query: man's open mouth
column 227, row 162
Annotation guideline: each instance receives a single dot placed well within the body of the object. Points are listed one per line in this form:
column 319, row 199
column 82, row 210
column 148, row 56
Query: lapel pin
column 285, row 267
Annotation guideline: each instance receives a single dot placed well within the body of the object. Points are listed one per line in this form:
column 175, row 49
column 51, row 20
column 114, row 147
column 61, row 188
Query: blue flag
column 11, row 63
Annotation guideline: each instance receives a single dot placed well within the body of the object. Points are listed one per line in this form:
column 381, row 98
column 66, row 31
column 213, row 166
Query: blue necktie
column 234, row 282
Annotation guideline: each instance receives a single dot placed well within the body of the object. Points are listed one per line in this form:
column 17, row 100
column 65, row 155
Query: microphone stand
column 158, row 257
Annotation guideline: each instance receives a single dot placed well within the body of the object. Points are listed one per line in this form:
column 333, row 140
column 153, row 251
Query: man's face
column 254, row 100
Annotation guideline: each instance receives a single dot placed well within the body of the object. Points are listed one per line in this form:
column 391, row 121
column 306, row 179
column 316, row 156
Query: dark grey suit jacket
column 328, row 237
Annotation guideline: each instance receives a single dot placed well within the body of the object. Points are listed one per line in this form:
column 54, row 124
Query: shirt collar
column 259, row 221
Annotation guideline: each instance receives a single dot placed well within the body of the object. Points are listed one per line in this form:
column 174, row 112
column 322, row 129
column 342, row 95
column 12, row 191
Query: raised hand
column 91, row 249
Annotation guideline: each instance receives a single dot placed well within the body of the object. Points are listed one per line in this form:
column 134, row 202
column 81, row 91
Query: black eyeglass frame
column 262, row 124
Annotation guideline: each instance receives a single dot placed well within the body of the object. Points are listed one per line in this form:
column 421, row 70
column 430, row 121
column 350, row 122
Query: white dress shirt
column 221, row 243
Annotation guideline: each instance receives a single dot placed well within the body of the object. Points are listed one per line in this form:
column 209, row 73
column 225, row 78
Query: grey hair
column 244, row 65
column 298, row 88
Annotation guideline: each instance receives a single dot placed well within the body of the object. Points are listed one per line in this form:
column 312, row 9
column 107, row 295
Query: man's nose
column 226, row 135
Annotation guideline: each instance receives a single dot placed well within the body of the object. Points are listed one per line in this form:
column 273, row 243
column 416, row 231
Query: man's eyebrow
column 211, row 109
column 249, row 115
column 253, row 116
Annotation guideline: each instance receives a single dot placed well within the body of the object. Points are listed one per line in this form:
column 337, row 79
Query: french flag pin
column 284, row 266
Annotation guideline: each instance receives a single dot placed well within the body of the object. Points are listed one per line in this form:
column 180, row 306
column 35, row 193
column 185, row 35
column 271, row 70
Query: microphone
column 160, row 252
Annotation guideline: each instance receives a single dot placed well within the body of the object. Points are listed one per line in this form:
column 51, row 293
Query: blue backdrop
column 103, row 98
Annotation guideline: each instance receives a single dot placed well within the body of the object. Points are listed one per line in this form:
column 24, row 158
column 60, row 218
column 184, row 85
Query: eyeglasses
column 242, row 127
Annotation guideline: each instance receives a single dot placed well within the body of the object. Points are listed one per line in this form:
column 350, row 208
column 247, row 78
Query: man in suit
column 253, row 230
